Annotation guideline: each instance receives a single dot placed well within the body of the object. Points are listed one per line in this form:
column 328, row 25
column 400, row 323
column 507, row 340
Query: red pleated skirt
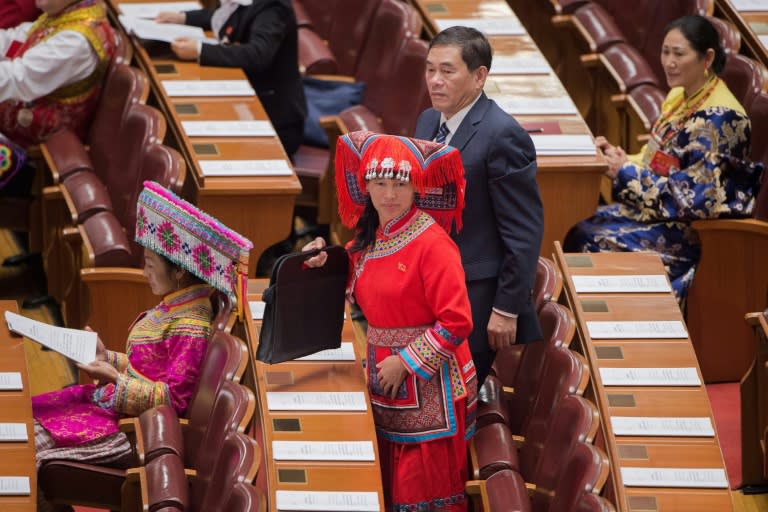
column 428, row 476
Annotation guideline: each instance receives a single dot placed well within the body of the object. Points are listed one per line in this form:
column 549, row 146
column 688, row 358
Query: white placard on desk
column 13, row 432
column 675, row 477
column 750, row 5
column 14, row 486
column 661, row 329
column 650, row 377
column 150, row 10
column 360, row 451
column 316, row 401
column 345, row 352
column 535, row 106
column 245, row 167
column 207, row 88
column 257, row 309
column 658, row 426
column 639, row 283
column 561, row 145
column 509, row 26
column 228, row 128
column 537, row 65
column 341, row 501
column 10, row 381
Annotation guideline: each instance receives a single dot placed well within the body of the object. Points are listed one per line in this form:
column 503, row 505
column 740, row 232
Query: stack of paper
column 675, row 477
column 10, row 381
column 554, row 145
column 316, row 401
column 536, row 106
column 649, row 377
column 661, row 329
column 245, row 168
column 622, row 284
column 509, row 26
column 151, row 30
column 257, row 308
column 207, row 88
column 358, row 451
column 10, row 432
column 520, row 66
column 14, row 486
column 345, row 352
column 150, row 10
column 228, row 128
column 750, row 5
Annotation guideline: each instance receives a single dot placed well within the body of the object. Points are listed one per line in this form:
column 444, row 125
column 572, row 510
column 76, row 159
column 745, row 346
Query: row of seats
column 754, row 407
column 373, row 42
column 533, row 448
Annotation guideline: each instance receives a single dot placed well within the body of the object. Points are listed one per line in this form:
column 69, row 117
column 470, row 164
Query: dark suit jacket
column 503, row 217
column 263, row 42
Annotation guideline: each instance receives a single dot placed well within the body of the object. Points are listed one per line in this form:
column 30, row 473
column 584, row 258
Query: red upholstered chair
column 245, row 498
column 593, row 503
column 159, row 429
column 596, row 26
column 315, row 58
column 745, row 78
column 504, row 491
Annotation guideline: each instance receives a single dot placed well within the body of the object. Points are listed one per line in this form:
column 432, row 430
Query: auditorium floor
column 49, row 371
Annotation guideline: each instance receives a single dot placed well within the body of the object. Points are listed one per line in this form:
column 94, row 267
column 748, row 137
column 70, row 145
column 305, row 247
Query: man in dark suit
column 259, row 36
column 503, row 216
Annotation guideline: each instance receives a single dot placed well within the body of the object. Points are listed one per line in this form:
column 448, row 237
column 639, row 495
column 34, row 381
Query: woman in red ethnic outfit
column 406, row 275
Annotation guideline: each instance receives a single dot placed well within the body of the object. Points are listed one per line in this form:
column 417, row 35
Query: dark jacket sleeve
column 519, row 214
column 265, row 35
column 199, row 18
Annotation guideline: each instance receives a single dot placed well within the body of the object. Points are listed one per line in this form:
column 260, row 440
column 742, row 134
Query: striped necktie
column 442, row 133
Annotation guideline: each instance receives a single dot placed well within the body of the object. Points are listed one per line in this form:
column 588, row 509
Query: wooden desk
column 260, row 208
column 16, row 459
column 569, row 185
column 642, row 401
column 271, row 426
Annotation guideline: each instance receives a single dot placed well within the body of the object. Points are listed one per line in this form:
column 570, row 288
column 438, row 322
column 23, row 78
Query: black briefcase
column 304, row 310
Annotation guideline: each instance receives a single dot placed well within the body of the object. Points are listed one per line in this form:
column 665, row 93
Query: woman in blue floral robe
column 695, row 165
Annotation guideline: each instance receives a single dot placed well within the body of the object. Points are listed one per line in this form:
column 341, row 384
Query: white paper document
column 74, row 344
column 14, row 486
column 657, row 426
column 316, row 401
column 556, row 145
column 510, row 26
column 622, row 284
column 153, row 31
column 245, row 168
column 660, row 329
column 207, row 88
column 228, row 128
column 13, row 432
column 750, row 5
column 675, row 477
column 536, row 106
column 320, row 450
column 340, row 501
column 150, row 10
column 10, row 381
column 257, row 309
column 345, row 352
column 650, row 377
column 520, row 66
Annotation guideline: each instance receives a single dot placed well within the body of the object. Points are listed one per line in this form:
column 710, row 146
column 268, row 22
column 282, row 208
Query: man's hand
column 185, row 48
column 101, row 371
column 502, row 331
column 171, row 17
column 319, row 259
column 392, row 373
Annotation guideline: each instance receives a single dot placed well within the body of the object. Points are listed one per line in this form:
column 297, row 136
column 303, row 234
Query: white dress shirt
column 62, row 59
column 455, row 120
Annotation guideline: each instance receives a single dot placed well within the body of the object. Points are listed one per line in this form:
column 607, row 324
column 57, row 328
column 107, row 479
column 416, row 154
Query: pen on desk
column 534, row 130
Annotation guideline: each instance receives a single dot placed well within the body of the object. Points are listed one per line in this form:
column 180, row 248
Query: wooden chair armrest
column 474, row 465
column 478, row 494
column 758, row 227
column 335, row 78
column 590, row 60
column 127, row 425
column 507, row 392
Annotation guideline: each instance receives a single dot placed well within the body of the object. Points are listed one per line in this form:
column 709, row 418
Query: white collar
column 456, row 119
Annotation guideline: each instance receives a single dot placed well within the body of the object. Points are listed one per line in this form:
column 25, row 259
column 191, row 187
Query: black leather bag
column 304, row 310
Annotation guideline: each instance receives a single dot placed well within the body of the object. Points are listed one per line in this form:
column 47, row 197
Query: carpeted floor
column 725, row 400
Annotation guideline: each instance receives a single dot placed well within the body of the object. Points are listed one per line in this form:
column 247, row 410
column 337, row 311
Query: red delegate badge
column 662, row 162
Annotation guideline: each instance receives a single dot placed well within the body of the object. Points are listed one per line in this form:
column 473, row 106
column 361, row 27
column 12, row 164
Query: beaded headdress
column 435, row 171
column 193, row 240
column 12, row 159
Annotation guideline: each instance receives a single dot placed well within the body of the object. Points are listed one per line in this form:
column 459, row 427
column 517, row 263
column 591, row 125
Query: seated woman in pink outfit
column 187, row 254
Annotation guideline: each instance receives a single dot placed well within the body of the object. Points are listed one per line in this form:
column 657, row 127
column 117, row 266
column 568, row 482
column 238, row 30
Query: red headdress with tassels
column 435, row 171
